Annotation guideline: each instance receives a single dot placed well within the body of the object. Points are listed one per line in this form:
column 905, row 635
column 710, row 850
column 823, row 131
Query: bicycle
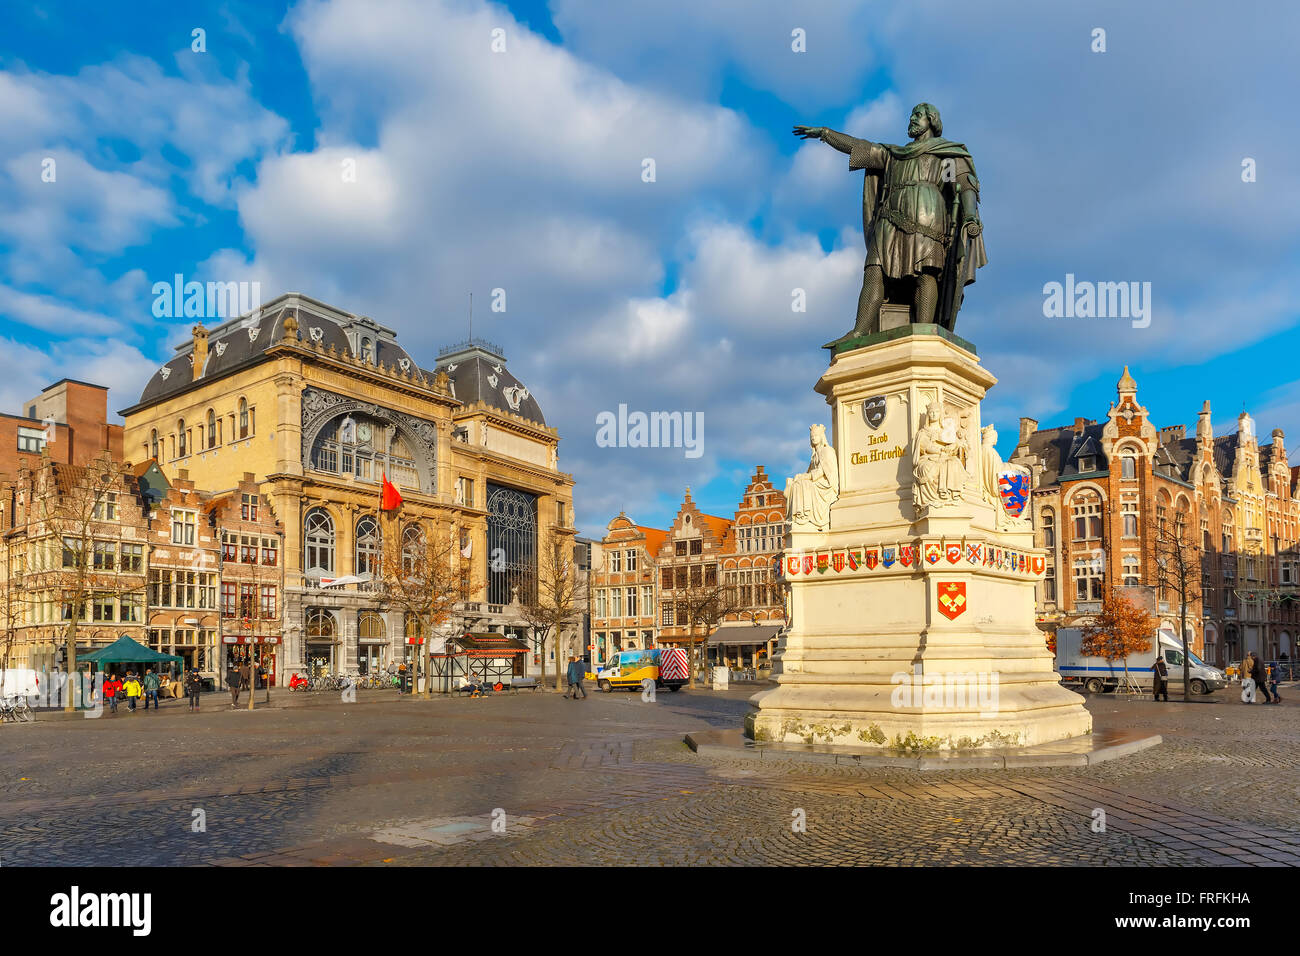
column 15, row 709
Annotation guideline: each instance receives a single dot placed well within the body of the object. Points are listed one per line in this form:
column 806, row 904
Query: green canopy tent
column 124, row 650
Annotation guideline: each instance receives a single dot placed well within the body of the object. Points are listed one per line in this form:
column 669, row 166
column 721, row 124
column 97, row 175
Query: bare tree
column 64, row 509
column 419, row 574
column 1178, row 572
column 554, row 599
column 704, row 604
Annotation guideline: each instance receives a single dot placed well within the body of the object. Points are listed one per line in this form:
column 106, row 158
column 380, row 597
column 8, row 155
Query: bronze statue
column 920, row 218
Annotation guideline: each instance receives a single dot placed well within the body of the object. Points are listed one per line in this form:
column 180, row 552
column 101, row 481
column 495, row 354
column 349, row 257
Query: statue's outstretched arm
column 841, row 141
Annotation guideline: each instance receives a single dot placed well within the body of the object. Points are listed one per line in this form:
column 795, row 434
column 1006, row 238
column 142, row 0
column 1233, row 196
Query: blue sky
column 522, row 169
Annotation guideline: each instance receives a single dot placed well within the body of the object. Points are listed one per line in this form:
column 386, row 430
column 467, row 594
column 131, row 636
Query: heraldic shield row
column 920, row 556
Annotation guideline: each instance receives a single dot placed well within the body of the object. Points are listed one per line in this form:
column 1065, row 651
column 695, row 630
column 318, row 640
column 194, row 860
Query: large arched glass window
column 370, row 625
column 320, row 625
column 212, row 428
column 367, row 546
column 318, row 532
column 181, row 450
column 243, row 418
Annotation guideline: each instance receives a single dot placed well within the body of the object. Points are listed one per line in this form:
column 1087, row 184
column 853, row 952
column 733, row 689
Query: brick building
column 252, row 575
column 68, row 421
column 1103, row 489
column 688, row 562
column 74, row 552
column 623, row 588
column 750, row 562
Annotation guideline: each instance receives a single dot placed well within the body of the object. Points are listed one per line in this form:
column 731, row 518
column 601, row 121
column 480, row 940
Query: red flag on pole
column 391, row 499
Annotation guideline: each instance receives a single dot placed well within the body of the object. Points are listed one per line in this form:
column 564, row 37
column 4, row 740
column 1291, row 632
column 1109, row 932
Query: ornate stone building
column 319, row 404
column 1102, row 491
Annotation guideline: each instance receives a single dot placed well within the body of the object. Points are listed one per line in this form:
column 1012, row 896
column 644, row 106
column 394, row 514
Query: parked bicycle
column 15, row 709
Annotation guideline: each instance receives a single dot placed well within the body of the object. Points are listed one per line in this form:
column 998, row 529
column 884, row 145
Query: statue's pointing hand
column 809, row 132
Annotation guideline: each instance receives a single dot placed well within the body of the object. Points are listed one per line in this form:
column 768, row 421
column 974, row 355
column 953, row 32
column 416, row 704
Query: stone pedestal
column 912, row 630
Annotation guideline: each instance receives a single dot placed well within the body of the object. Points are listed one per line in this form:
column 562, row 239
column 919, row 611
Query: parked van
column 1097, row 675
column 19, row 682
column 666, row 666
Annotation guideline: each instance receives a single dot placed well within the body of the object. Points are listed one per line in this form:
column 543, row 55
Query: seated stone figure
column 809, row 496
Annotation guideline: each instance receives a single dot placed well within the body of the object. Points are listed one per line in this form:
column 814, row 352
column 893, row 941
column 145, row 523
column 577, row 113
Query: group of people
column 132, row 688
column 1254, row 669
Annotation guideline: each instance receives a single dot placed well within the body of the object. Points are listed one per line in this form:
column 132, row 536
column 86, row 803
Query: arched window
column 1087, row 517
column 243, row 418
column 367, row 546
column 1049, row 528
column 1128, row 466
column 320, row 624
column 412, row 548
column 367, row 350
column 153, row 444
column 412, row 627
column 181, row 451
column 212, row 428
column 319, row 535
column 370, row 625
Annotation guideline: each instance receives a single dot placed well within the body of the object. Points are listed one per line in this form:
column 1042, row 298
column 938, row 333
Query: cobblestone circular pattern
column 742, row 826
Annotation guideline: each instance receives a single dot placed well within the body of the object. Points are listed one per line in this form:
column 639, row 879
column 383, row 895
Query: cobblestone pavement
column 536, row 779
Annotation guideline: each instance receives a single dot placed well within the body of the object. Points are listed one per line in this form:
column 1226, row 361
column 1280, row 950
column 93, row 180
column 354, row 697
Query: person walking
column 1258, row 674
column 577, row 673
column 1160, row 683
column 193, row 687
column 112, row 687
column 246, row 677
column 151, row 685
column 133, row 690
column 233, row 681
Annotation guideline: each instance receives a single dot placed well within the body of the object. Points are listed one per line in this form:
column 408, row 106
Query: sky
column 504, row 147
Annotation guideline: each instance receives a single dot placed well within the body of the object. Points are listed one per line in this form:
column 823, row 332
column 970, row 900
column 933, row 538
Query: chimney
column 1080, row 424
column 1172, row 433
column 200, row 353
column 1027, row 428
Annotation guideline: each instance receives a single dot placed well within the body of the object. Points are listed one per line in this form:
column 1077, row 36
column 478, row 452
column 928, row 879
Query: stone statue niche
column 938, row 461
column 809, row 496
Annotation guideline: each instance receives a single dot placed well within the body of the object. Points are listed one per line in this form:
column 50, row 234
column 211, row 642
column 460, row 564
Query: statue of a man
column 937, row 472
column 809, row 496
column 912, row 198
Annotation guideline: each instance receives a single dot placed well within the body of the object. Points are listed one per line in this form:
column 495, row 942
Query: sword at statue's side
column 954, row 262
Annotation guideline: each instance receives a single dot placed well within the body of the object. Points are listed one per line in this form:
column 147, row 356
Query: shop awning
column 743, row 632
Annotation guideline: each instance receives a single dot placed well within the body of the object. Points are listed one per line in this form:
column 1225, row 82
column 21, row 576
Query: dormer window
column 367, row 350
column 1087, row 463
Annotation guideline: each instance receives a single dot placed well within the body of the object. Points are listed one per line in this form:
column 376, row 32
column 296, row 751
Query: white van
column 1098, row 675
column 19, row 682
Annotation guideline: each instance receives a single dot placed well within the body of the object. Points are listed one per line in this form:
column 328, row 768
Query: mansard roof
column 242, row 341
